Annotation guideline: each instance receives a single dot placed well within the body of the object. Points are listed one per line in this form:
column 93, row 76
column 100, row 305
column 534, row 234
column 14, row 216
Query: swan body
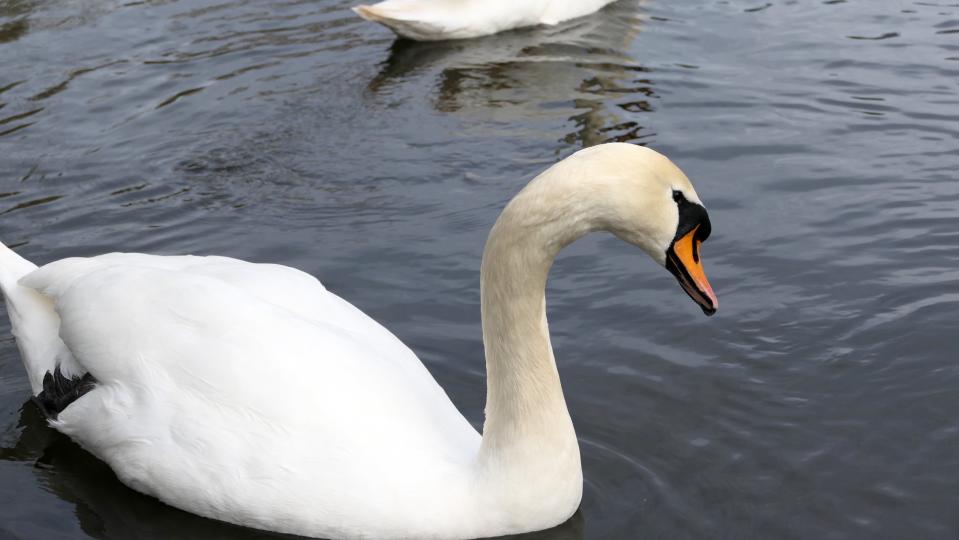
column 433, row 20
column 249, row 393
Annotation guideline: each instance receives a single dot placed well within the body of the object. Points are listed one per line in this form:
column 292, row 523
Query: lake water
column 821, row 402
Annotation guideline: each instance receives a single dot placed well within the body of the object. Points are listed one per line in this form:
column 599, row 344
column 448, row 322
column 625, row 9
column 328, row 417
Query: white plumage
column 251, row 394
column 238, row 389
column 433, row 20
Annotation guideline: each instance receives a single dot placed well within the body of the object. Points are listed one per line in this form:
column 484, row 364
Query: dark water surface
column 821, row 402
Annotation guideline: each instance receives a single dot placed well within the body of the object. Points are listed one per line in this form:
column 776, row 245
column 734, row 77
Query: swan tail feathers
column 409, row 19
column 12, row 267
column 36, row 325
column 60, row 390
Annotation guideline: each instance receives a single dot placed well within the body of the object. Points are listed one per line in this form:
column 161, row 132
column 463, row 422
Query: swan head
column 643, row 198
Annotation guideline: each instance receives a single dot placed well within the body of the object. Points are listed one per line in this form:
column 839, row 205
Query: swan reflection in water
column 535, row 74
column 107, row 509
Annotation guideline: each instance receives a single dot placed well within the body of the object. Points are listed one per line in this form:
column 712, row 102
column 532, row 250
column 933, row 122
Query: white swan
column 433, row 20
column 249, row 393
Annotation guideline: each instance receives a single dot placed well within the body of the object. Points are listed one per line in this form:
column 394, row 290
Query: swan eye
column 678, row 196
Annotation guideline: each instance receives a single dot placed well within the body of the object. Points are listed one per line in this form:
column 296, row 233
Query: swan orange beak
column 682, row 260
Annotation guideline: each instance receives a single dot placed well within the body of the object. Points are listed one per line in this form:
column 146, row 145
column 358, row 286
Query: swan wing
column 280, row 286
column 214, row 374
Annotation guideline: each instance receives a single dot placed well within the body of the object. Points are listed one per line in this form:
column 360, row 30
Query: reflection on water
column 525, row 75
column 15, row 23
column 819, row 403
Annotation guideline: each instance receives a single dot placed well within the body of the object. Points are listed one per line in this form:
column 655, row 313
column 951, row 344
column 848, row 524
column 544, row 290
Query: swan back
column 226, row 386
column 432, row 20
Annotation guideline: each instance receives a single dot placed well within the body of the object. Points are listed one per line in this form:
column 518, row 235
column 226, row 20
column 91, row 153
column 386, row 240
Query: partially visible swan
column 433, row 20
column 251, row 394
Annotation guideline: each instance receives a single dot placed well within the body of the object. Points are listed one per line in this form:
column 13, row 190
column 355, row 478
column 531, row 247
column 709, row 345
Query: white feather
column 432, row 20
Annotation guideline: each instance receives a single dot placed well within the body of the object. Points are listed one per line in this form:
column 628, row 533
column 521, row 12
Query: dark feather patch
column 60, row 391
column 691, row 215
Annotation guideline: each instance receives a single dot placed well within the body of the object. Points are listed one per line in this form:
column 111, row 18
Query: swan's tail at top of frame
column 409, row 19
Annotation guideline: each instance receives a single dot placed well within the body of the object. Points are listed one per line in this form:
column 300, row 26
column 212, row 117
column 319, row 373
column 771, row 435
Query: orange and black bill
column 682, row 260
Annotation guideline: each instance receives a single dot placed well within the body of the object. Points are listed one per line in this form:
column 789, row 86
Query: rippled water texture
column 821, row 402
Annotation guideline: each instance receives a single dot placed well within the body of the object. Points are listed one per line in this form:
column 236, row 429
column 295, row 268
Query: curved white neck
column 528, row 431
column 528, row 465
